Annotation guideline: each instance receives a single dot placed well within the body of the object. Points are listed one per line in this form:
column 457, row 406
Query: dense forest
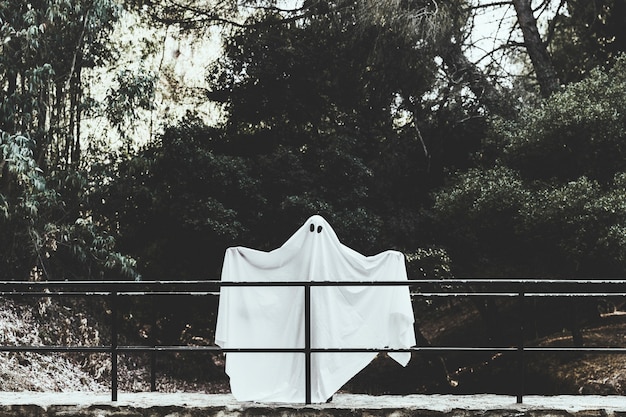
column 483, row 138
column 141, row 138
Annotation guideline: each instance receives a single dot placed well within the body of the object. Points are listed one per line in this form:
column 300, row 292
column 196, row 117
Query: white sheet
column 341, row 317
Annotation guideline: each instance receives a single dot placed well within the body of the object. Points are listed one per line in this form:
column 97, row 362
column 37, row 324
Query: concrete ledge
column 36, row 404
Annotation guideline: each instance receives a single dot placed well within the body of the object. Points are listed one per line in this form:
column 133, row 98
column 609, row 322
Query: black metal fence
column 516, row 289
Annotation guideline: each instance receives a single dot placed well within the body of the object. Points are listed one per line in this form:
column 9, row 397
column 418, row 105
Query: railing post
column 114, row 332
column 520, row 345
column 307, row 342
column 153, row 352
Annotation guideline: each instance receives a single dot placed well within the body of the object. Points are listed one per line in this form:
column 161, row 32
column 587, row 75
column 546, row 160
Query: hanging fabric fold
column 341, row 316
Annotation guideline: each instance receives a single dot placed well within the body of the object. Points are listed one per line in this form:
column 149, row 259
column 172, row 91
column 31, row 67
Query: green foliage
column 553, row 205
column 23, row 195
column 45, row 46
column 18, row 162
column 132, row 92
column 84, row 251
column 178, row 201
column 47, row 230
column 316, row 104
column 431, row 263
column 590, row 34
column 320, row 119
column 579, row 131
column 476, row 216
column 575, row 227
column 34, row 240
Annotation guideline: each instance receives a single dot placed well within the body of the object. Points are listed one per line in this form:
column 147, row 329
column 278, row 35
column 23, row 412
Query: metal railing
column 517, row 289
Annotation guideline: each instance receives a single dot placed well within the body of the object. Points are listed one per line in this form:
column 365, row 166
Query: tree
column 315, row 122
column 476, row 217
column 578, row 133
column 539, row 56
column 34, row 240
column 587, row 35
column 46, row 231
column 47, row 45
column 552, row 198
column 549, row 200
column 325, row 117
column 179, row 203
column 564, row 39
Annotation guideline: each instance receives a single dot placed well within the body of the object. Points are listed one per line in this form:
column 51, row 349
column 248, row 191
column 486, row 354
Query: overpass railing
column 516, row 289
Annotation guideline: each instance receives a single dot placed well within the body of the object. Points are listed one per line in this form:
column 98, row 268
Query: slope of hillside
column 38, row 372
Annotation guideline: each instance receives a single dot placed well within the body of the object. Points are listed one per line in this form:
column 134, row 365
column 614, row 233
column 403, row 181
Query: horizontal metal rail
column 217, row 349
column 216, row 294
column 190, row 285
column 424, row 288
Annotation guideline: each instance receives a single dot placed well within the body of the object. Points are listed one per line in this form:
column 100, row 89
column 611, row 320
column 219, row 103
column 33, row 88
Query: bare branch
column 276, row 8
column 543, row 6
column 553, row 23
column 195, row 16
column 504, row 46
column 489, row 5
column 79, row 45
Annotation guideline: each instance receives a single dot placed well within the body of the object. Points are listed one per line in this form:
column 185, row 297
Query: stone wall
column 203, row 405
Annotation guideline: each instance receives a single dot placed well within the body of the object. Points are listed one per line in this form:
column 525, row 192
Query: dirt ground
column 545, row 373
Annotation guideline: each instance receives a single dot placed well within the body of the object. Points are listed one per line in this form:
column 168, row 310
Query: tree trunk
column 42, row 133
column 76, row 108
column 61, row 127
column 539, row 56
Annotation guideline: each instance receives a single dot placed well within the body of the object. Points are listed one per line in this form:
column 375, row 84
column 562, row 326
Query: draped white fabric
column 341, row 317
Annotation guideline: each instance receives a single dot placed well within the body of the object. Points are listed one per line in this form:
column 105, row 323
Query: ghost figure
column 341, row 316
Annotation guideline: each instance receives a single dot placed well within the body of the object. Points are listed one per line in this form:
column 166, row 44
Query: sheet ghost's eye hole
column 312, row 228
column 319, row 229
